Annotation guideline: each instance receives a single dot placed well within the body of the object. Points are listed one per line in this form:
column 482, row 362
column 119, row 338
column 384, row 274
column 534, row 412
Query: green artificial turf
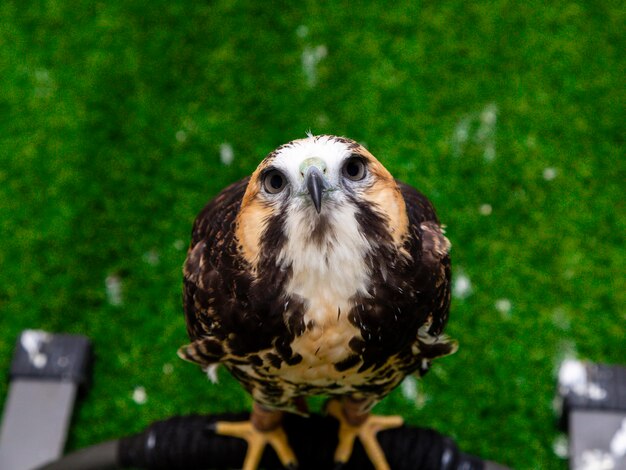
column 508, row 115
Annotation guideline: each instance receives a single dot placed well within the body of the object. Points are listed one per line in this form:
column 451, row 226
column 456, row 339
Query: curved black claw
column 211, row 428
column 339, row 465
column 292, row 466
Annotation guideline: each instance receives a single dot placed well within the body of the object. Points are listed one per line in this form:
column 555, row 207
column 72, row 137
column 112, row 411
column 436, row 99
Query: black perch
column 187, row 442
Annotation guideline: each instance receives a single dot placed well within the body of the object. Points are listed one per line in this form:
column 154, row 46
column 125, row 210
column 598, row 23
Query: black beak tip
column 316, row 184
column 318, row 207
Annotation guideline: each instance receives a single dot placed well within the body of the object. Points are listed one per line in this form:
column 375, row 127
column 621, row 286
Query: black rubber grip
column 189, row 443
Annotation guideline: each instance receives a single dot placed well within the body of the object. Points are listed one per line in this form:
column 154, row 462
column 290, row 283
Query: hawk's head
column 320, row 196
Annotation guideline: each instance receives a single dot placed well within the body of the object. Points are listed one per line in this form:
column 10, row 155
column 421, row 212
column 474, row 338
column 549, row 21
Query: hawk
column 320, row 274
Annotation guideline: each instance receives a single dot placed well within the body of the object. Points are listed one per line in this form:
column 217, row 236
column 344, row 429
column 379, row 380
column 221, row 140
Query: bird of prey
column 320, row 274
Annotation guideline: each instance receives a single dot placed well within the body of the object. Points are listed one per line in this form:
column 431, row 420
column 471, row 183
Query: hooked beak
column 316, row 184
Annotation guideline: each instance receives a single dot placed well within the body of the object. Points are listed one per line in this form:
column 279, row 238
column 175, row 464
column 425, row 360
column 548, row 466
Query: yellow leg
column 353, row 424
column 263, row 428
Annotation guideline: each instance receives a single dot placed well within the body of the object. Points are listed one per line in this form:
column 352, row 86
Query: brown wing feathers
column 431, row 246
column 211, row 251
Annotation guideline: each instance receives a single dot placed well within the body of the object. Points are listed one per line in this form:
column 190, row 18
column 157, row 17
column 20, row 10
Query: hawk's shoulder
column 220, row 213
column 418, row 207
column 424, row 226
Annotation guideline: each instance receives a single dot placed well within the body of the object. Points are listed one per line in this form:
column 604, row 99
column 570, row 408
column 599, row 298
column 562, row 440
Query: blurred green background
column 119, row 120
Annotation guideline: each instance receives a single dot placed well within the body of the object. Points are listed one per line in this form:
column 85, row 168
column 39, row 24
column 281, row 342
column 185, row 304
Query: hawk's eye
column 354, row 169
column 274, row 182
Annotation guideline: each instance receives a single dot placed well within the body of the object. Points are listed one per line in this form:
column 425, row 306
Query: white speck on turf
column 479, row 128
column 490, row 151
column 487, row 131
column 488, row 117
column 113, row 285
column 322, row 120
column 461, row 135
column 485, row 209
column 168, row 368
column 151, row 257
column 311, row 57
column 560, row 446
column 32, row 341
column 140, row 396
column 549, row 173
column 181, row 136
column 302, row 31
column 42, row 75
column 44, row 85
column 462, row 286
column 409, row 388
column 504, row 307
column 561, row 318
column 227, row 154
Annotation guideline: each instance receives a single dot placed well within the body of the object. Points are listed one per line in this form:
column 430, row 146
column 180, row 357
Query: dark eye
column 274, row 182
column 354, row 169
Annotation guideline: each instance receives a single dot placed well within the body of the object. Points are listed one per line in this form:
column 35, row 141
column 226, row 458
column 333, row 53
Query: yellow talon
column 365, row 427
column 257, row 437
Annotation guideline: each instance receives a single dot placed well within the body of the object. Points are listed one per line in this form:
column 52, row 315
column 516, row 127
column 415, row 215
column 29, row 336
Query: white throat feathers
column 328, row 269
